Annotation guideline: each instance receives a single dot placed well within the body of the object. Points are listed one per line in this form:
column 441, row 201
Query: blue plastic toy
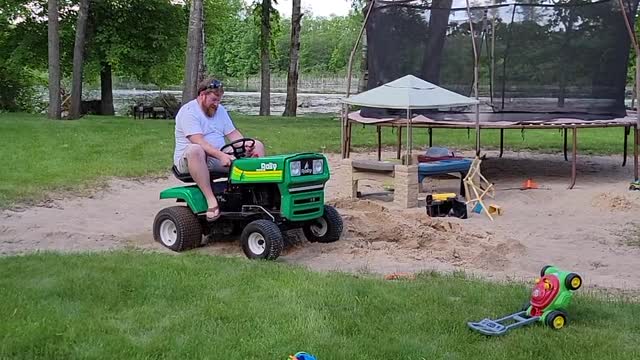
column 302, row 356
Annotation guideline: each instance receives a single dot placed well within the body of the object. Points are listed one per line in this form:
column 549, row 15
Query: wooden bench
column 152, row 112
column 370, row 170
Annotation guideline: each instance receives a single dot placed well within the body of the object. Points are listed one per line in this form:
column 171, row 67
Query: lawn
column 40, row 155
column 130, row 305
column 137, row 305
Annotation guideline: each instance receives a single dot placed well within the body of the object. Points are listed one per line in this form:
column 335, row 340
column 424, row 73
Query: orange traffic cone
column 529, row 184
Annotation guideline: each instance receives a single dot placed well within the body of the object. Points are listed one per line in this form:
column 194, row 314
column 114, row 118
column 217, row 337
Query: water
column 240, row 102
column 243, row 102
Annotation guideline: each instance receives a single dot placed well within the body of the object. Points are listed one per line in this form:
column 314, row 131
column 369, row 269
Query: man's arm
column 210, row 150
column 234, row 135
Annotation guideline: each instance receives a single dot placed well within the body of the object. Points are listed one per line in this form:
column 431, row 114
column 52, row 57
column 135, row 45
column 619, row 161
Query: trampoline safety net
column 567, row 57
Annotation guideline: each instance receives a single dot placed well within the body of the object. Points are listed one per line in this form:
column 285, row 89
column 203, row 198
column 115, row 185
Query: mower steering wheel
column 238, row 147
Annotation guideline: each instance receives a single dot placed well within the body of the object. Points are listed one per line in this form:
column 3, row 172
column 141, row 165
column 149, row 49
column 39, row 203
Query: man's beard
column 211, row 110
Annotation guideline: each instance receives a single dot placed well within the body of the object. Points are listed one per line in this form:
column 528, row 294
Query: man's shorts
column 212, row 163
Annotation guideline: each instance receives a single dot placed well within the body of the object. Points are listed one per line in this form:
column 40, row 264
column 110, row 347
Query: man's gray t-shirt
column 191, row 120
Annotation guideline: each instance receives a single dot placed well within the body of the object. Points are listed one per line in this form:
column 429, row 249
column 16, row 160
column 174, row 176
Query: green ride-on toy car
column 260, row 196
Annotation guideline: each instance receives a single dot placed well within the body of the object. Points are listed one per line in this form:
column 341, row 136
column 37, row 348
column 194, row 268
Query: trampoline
column 541, row 64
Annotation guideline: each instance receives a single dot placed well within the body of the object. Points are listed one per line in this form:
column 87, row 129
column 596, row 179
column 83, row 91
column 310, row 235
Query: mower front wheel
column 325, row 229
column 262, row 239
column 177, row 228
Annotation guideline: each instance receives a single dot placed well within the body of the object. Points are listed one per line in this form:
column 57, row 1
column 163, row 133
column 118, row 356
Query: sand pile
column 373, row 227
column 612, row 202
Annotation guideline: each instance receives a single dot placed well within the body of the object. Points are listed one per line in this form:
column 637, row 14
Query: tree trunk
column 202, row 68
column 438, row 22
column 265, row 40
column 562, row 83
column 54, row 61
column 194, row 43
column 291, row 104
column 364, row 65
column 106, row 90
column 78, row 60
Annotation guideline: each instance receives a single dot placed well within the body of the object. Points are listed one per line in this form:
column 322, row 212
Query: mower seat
column 186, row 177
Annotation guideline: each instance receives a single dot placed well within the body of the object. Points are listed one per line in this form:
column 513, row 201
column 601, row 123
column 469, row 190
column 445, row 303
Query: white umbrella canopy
column 409, row 92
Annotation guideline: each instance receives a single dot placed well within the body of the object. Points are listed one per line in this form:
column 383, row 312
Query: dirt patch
column 590, row 230
column 373, row 227
column 612, row 202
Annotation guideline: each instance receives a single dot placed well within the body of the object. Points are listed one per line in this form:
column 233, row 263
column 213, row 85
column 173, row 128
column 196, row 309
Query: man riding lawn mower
column 238, row 187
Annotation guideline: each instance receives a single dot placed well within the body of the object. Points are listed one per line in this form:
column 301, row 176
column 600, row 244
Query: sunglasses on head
column 215, row 84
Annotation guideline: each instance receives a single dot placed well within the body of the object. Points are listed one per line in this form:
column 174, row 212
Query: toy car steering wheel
column 238, row 147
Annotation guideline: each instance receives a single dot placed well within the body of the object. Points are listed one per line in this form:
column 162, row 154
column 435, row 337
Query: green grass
column 39, row 155
column 133, row 305
column 130, row 305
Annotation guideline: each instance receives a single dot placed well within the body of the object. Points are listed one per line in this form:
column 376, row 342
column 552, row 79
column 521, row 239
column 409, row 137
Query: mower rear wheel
column 556, row 319
column 325, row 229
column 262, row 239
column 177, row 228
column 573, row 281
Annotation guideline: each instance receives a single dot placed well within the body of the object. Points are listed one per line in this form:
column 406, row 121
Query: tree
column 78, row 60
column 54, row 60
column 141, row 39
column 291, row 103
column 265, row 70
column 194, row 46
column 232, row 38
column 436, row 34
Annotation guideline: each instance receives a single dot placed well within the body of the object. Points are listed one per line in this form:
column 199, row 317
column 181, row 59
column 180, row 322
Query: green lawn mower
column 550, row 298
column 261, row 197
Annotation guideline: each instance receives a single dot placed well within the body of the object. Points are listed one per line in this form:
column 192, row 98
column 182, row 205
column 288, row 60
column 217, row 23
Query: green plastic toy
column 262, row 197
column 549, row 301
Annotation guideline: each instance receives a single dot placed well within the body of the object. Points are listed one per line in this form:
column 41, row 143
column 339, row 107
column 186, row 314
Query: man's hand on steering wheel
column 239, row 148
column 226, row 159
column 249, row 149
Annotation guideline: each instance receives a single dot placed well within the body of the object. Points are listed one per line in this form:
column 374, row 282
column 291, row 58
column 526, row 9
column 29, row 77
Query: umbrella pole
column 409, row 135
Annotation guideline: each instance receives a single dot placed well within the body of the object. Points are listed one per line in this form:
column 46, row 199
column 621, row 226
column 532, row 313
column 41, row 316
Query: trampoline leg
column 574, row 158
column 349, row 140
column 462, row 190
column 501, row 142
column 627, row 130
column 379, row 130
column 478, row 144
column 565, row 144
column 430, row 137
column 399, row 142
